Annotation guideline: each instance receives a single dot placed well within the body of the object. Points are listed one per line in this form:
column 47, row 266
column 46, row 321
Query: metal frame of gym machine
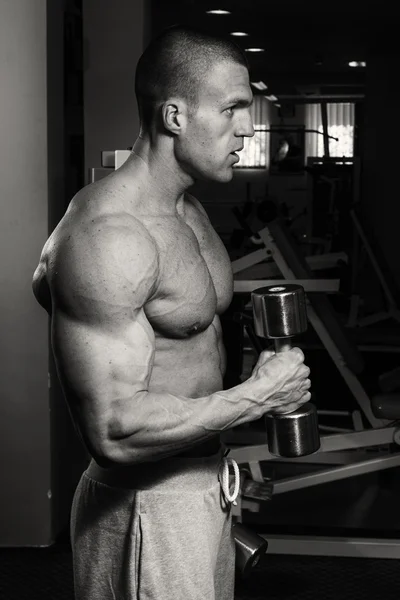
column 336, row 449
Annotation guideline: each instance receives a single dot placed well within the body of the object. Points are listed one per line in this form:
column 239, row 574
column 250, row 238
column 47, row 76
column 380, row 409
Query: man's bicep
column 99, row 369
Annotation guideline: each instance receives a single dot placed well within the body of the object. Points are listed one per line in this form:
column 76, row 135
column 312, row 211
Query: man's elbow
column 101, row 450
column 110, row 446
column 114, row 453
column 98, row 448
column 124, row 453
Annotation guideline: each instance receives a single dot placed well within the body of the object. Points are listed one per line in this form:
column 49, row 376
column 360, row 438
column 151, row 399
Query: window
column 340, row 125
column 256, row 149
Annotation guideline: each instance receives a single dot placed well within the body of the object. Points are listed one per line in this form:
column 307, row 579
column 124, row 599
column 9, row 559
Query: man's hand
column 280, row 381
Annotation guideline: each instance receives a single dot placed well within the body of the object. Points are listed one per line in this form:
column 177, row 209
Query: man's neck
column 154, row 168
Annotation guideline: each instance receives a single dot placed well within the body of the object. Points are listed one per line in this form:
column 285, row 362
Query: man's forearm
column 154, row 425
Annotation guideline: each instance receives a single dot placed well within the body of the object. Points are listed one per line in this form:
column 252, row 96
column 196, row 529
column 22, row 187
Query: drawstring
column 224, row 479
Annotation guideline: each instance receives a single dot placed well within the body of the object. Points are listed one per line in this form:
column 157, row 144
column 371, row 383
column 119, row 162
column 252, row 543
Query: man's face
column 216, row 130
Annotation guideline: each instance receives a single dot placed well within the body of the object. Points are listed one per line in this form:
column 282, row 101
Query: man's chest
column 195, row 275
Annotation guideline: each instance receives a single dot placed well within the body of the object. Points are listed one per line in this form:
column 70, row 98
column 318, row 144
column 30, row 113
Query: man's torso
column 194, row 285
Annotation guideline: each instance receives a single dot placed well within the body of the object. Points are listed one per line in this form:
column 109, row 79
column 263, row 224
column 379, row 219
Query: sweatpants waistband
column 193, row 472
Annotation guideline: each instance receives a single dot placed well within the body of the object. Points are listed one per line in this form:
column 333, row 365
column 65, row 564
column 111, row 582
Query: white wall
column 24, row 404
column 115, row 34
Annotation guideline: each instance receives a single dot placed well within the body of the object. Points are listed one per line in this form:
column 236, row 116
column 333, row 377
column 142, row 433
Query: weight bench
column 375, row 429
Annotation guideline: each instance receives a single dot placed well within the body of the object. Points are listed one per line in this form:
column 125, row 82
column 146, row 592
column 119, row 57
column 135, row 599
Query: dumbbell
column 280, row 313
column 249, row 548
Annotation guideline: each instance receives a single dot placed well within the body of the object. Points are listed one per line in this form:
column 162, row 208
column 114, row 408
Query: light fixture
column 259, row 85
column 239, row 33
column 218, row 11
column 357, row 63
column 254, row 49
column 271, row 98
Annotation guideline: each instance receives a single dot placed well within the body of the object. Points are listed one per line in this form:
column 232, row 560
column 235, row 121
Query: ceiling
column 307, row 45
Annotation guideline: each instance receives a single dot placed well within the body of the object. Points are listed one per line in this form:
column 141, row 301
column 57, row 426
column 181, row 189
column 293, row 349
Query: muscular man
column 134, row 278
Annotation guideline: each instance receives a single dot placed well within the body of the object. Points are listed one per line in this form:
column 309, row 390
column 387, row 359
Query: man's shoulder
column 102, row 240
column 105, row 260
column 96, row 215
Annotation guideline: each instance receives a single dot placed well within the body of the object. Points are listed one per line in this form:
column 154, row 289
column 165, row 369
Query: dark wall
column 65, row 177
column 380, row 167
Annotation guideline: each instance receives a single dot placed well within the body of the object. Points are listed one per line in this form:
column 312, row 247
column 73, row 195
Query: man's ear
column 174, row 113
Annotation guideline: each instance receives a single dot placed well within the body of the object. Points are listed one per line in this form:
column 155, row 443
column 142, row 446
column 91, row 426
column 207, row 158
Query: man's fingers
column 297, row 351
column 266, row 354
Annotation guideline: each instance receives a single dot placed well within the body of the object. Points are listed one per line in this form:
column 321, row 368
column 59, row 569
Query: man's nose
column 250, row 129
column 246, row 128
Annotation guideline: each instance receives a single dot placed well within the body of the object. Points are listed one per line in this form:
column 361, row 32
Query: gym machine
column 381, row 414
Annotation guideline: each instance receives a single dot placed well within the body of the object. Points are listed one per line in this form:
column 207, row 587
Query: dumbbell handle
column 283, row 345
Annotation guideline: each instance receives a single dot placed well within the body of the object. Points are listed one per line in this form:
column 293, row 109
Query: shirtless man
column 134, row 278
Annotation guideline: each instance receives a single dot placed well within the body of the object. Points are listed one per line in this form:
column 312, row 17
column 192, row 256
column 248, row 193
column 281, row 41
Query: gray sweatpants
column 160, row 531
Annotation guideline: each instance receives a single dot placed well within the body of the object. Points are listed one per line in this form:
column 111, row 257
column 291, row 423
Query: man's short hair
column 175, row 64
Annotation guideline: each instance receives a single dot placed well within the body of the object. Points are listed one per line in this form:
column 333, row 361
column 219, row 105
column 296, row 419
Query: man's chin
column 224, row 177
